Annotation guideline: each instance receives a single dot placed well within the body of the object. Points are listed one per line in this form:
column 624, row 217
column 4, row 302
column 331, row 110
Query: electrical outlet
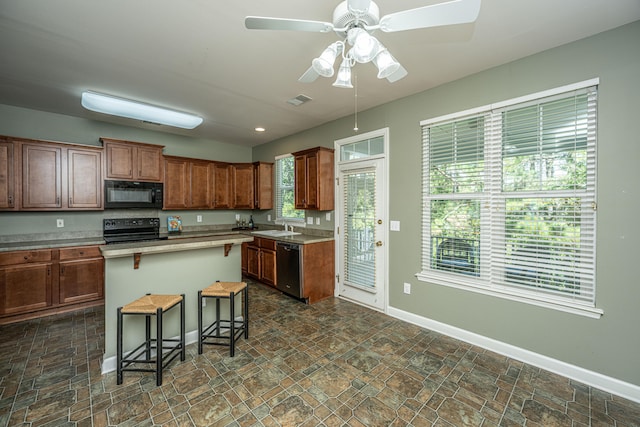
column 237, row 217
column 198, row 218
column 310, row 220
column 59, row 222
column 317, row 220
column 407, row 288
column 269, row 217
column 327, row 216
column 394, row 225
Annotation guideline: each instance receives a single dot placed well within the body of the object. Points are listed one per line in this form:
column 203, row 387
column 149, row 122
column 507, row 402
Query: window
column 285, row 180
column 509, row 199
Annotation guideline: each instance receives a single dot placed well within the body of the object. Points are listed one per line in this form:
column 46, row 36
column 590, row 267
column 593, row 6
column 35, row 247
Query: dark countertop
column 302, row 239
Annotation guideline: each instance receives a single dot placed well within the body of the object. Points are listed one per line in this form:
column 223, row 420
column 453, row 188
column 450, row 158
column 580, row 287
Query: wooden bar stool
column 151, row 305
column 221, row 331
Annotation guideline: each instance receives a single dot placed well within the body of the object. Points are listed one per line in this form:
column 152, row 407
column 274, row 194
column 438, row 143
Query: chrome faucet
column 285, row 225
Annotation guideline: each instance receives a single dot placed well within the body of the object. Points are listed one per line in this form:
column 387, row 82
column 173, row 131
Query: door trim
column 384, row 132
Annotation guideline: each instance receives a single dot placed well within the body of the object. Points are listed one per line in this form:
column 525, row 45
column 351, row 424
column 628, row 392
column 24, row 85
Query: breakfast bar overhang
column 174, row 266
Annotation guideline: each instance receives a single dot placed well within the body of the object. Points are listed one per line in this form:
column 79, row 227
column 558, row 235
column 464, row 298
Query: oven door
column 130, row 194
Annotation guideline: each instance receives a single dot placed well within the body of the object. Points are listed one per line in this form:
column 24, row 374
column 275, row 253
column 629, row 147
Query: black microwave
column 132, row 194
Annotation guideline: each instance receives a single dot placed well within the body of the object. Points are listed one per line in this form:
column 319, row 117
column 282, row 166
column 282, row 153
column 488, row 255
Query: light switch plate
column 317, row 220
column 310, row 220
column 269, row 217
column 394, row 225
column 59, row 223
column 327, row 216
column 198, row 218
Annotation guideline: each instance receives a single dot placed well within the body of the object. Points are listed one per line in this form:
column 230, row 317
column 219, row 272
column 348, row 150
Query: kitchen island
column 172, row 266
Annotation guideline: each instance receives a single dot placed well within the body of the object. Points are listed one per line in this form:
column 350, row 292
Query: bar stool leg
column 232, row 324
column 119, row 349
column 200, row 322
column 217, row 327
column 159, row 347
column 183, row 350
column 246, row 312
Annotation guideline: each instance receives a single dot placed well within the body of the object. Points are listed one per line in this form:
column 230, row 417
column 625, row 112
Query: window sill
column 513, row 295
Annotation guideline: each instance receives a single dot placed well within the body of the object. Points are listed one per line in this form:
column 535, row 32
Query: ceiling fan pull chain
column 355, row 92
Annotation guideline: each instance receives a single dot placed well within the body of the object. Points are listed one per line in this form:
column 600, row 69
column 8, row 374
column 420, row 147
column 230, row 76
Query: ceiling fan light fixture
column 127, row 108
column 323, row 64
column 344, row 75
column 386, row 64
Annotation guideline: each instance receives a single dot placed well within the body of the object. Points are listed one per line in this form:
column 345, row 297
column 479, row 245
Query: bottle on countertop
column 251, row 222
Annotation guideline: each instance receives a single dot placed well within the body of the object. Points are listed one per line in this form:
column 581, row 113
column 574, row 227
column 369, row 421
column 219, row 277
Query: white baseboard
column 594, row 379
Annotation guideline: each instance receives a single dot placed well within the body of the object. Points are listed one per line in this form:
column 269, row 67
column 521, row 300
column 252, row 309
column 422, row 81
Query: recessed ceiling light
column 260, row 129
column 122, row 107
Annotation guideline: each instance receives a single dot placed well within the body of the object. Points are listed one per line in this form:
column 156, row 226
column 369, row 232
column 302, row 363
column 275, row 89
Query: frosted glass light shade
column 386, row 64
column 365, row 46
column 323, row 64
column 344, row 75
column 122, row 107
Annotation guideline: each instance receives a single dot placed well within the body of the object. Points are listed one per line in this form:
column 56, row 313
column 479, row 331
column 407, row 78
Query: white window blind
column 509, row 198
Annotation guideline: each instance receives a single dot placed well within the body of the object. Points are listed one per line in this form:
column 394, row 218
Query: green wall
column 608, row 345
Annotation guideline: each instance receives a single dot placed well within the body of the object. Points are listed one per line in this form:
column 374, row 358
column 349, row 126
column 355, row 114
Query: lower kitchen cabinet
column 81, row 275
column 42, row 282
column 261, row 260
column 316, row 264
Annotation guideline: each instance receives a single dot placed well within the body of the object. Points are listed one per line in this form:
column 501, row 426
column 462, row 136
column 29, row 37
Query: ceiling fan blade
column 358, row 7
column 449, row 13
column 265, row 23
column 397, row 75
column 309, row 76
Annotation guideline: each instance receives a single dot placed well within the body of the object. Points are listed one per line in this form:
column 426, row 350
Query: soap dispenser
column 251, row 222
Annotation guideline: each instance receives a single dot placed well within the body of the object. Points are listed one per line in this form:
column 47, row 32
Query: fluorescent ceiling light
column 114, row 106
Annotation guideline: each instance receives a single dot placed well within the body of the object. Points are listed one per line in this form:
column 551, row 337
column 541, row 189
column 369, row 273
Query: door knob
column 380, row 221
column 378, row 243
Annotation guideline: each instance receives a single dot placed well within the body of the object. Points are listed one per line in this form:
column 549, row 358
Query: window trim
column 298, row 222
column 480, row 284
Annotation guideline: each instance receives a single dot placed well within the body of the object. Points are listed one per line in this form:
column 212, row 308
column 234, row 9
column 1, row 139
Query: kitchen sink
column 275, row 233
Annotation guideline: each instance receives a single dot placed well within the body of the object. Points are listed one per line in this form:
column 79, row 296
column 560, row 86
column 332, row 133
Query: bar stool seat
column 166, row 349
column 224, row 331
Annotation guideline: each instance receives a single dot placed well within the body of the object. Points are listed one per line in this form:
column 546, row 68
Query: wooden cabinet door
column 200, row 185
column 253, row 261
column 268, row 267
column 81, row 280
column 312, row 181
column 119, row 160
column 300, row 181
column 25, row 288
column 7, row 175
column 263, row 185
column 85, row 179
column 222, row 177
column 176, row 183
column 149, row 164
column 242, row 186
column 41, row 176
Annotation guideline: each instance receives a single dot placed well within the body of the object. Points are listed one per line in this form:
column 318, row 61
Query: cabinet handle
column 70, row 201
column 26, row 257
column 58, row 200
column 10, row 200
column 48, row 271
column 62, row 270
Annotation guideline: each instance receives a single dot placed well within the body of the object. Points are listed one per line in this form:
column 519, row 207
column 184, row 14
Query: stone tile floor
column 331, row 364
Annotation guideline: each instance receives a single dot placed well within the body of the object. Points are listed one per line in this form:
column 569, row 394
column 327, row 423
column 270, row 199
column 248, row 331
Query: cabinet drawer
column 267, row 244
column 24, row 257
column 80, row 252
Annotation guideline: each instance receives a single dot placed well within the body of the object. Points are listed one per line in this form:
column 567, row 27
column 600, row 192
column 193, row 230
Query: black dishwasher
column 288, row 269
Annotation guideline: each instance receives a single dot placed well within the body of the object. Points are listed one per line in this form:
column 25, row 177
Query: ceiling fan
column 354, row 21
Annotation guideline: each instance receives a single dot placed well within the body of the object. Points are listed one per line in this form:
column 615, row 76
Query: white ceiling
column 197, row 56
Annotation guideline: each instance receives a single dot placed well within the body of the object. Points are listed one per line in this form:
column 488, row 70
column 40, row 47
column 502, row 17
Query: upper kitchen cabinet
column 60, row 176
column 187, row 183
column 7, row 176
column 133, row 161
column 314, row 179
column 263, row 185
column 222, row 175
column 242, row 186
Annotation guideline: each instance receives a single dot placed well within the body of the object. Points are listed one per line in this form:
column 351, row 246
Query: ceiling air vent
column 299, row 100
